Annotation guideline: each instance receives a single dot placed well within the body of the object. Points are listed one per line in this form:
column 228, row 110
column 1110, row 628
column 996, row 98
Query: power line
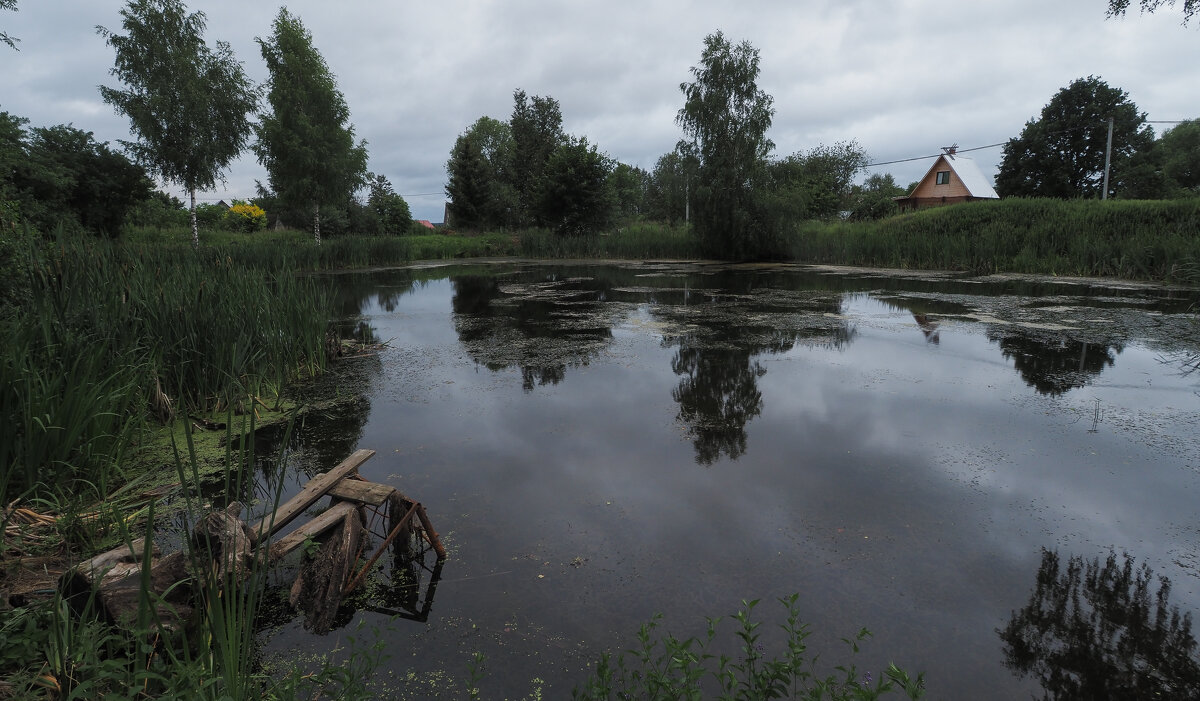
column 980, row 148
column 921, row 158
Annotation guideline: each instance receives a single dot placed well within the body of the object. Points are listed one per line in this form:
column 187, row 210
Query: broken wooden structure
column 335, row 543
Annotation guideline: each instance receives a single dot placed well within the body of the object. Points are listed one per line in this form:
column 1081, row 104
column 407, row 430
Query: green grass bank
column 1142, row 240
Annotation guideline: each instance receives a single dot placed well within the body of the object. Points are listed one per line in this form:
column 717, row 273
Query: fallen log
column 164, row 604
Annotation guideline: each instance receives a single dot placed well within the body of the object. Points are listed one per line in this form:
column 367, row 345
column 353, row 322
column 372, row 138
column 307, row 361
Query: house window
column 943, row 177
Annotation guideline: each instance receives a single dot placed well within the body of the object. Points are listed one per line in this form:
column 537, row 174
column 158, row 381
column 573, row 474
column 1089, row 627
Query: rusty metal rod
column 434, row 540
column 391, row 536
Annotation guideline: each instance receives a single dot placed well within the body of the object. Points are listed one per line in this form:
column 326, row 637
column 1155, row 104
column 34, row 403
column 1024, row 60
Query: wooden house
column 950, row 180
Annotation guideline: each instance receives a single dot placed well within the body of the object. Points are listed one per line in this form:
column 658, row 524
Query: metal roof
column 976, row 182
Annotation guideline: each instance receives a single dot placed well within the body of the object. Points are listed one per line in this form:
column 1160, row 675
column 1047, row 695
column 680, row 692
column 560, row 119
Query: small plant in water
column 665, row 667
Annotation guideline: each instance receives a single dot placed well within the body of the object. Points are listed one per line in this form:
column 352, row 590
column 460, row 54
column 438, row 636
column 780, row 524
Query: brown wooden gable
column 928, row 186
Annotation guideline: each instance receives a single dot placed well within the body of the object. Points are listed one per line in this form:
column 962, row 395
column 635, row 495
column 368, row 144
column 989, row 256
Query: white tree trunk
column 317, row 222
column 195, row 227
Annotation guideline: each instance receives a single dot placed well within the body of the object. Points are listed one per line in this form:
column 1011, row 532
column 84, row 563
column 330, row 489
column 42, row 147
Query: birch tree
column 188, row 104
column 726, row 117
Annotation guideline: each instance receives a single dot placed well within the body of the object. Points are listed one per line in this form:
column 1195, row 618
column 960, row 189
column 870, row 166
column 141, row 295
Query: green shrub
column 245, row 217
column 665, row 667
column 209, row 216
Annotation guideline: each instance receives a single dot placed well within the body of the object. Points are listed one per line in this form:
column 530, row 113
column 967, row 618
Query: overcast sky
column 902, row 77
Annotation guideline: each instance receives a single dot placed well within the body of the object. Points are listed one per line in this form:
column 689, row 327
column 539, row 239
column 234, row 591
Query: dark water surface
column 927, row 457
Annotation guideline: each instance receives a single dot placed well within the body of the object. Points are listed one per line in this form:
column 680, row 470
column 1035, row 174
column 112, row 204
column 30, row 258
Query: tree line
column 1063, row 152
column 744, row 201
column 190, row 107
column 527, row 172
column 192, row 111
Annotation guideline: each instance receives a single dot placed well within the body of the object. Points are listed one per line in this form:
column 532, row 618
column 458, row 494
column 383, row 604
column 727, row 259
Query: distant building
column 425, row 223
column 952, row 179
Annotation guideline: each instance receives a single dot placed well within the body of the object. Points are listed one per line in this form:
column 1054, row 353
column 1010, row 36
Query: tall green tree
column 671, row 184
column 814, row 184
column 480, row 176
column 61, row 176
column 389, row 208
column 726, row 116
column 574, row 197
column 1180, row 151
column 1117, row 8
column 4, row 37
column 80, row 182
column 629, row 186
column 875, row 198
column 188, row 104
column 1062, row 152
column 536, row 126
column 1170, row 168
column 468, row 185
column 13, row 155
column 307, row 142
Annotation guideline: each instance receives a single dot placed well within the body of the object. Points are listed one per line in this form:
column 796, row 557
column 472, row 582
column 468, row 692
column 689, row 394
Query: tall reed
column 109, row 328
column 639, row 239
column 1152, row 240
column 296, row 250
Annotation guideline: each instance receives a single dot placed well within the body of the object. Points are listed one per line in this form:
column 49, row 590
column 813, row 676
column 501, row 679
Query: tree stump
column 227, row 541
column 317, row 592
column 112, row 581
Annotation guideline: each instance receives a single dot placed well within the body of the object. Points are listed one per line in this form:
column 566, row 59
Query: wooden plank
column 332, row 517
column 370, row 493
column 316, row 488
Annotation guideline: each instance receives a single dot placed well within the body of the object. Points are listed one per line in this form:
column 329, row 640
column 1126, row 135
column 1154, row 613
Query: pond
column 935, row 458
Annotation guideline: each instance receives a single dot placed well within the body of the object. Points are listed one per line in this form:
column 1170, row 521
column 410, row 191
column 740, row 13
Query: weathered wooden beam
column 318, row 589
column 330, row 518
column 316, row 488
column 369, row 493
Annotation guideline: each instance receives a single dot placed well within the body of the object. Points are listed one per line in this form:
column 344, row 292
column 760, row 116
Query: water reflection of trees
column 1054, row 365
column 925, row 312
column 1095, row 630
column 717, row 397
column 539, row 324
column 718, row 393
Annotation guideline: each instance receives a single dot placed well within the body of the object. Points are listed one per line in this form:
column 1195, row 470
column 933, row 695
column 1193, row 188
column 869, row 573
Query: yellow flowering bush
column 245, row 217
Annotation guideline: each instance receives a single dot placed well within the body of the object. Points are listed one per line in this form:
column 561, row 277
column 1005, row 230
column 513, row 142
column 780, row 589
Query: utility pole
column 1107, row 160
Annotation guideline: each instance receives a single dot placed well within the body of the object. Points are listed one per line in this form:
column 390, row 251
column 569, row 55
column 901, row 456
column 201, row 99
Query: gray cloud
column 901, row 77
